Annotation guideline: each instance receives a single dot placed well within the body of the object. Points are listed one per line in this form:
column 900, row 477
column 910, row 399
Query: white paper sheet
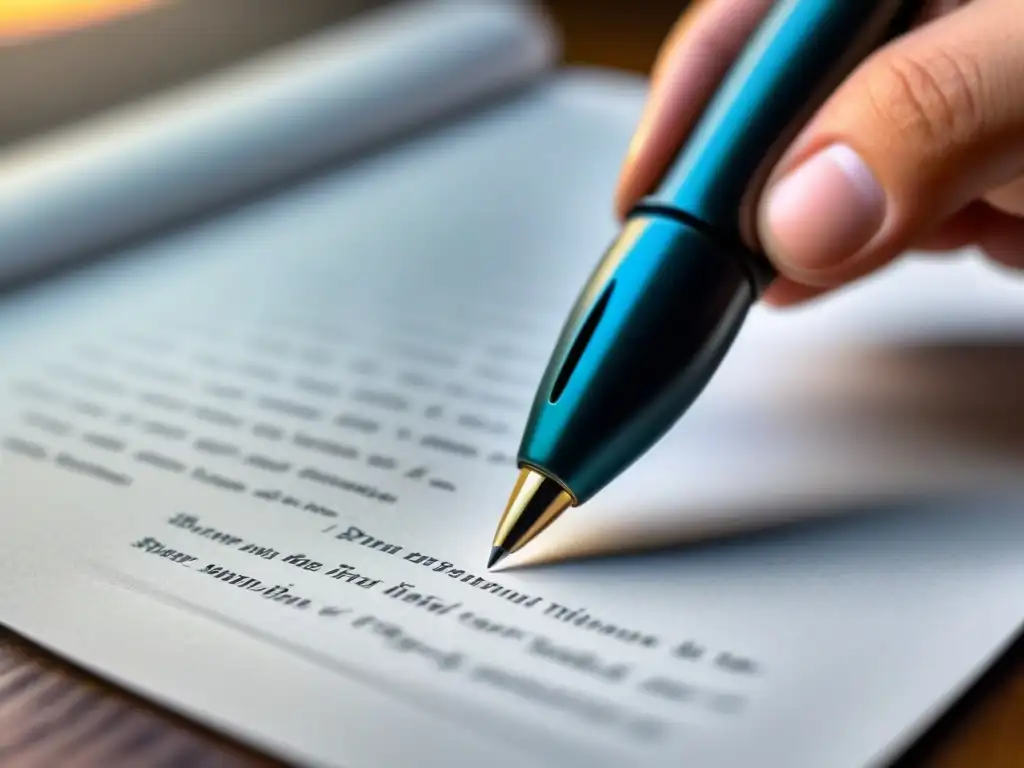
column 252, row 471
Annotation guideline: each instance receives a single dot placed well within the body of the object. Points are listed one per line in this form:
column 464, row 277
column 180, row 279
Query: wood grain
column 53, row 714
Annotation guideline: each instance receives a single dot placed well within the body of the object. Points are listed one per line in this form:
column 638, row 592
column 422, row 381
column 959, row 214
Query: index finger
column 692, row 62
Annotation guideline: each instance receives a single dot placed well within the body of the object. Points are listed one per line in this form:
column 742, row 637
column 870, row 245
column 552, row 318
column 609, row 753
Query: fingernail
column 825, row 211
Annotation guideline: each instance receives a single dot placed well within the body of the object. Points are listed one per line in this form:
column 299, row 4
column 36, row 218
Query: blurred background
column 614, row 33
column 61, row 60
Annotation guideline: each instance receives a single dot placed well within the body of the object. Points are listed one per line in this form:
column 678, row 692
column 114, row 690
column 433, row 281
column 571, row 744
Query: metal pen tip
column 497, row 553
column 535, row 503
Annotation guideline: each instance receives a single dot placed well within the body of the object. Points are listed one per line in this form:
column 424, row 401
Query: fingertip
column 889, row 165
column 623, row 204
column 818, row 218
column 627, row 190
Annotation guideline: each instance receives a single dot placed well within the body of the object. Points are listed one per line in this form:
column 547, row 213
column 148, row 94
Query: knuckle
column 933, row 102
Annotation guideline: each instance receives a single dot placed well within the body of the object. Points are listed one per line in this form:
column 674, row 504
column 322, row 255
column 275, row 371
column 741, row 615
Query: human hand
column 921, row 147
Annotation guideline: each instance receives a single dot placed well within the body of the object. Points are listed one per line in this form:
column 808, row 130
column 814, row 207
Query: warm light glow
column 23, row 19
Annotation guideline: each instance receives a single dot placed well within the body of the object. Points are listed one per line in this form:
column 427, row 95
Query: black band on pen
column 758, row 268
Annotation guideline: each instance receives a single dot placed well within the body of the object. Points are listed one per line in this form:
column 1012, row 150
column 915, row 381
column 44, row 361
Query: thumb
column 917, row 132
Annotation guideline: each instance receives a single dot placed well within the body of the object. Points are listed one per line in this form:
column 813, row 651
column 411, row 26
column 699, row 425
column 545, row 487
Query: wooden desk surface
column 987, row 731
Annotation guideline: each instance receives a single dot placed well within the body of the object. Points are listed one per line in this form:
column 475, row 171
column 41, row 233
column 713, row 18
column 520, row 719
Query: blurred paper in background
column 64, row 60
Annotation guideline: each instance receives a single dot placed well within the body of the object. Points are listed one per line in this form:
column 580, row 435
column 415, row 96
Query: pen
column 672, row 291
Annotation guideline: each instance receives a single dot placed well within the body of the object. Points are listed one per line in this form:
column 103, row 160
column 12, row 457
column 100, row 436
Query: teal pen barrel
column 672, row 292
column 799, row 55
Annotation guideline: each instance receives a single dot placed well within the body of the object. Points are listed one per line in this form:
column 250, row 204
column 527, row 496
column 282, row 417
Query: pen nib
column 534, row 504
column 497, row 553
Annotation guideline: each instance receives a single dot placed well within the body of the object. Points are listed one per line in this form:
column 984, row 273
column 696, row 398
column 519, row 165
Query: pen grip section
column 645, row 336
